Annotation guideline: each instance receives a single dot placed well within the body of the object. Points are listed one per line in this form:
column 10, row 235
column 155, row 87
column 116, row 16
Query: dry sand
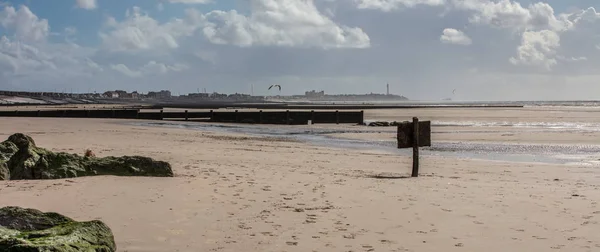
column 239, row 193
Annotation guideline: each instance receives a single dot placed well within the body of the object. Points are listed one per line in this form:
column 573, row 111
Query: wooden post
column 287, row 117
column 260, row 117
column 312, row 116
column 212, row 115
column 362, row 117
column 237, row 119
column 337, row 117
column 415, row 170
column 186, row 115
column 161, row 114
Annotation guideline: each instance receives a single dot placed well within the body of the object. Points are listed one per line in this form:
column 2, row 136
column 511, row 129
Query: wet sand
column 234, row 192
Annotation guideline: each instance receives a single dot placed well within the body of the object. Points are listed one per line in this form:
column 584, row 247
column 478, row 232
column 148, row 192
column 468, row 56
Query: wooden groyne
column 255, row 117
column 316, row 106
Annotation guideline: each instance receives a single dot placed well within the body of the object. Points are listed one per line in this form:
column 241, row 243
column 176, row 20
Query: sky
column 424, row 49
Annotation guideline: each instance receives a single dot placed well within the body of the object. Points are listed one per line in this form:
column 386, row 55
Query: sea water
column 513, row 152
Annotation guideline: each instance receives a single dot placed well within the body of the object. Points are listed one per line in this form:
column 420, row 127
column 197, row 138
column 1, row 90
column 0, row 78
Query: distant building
column 314, row 93
column 122, row 93
column 160, row 95
column 218, row 96
column 111, row 94
column 198, row 95
column 237, row 96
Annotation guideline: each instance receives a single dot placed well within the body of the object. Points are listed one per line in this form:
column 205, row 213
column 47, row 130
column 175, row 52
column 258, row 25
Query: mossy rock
column 27, row 161
column 4, row 172
column 32, row 230
column 21, row 140
column 7, row 149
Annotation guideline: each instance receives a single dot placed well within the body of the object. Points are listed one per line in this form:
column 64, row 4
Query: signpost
column 414, row 134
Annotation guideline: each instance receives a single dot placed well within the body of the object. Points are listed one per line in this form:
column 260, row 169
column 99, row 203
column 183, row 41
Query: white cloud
column 453, row 36
column 159, row 68
column 284, row 23
column 26, row 25
column 288, row 23
column 141, row 32
column 70, row 31
column 495, row 13
column 151, row 68
column 537, row 49
column 87, row 4
column 389, row 5
column 126, row 71
column 509, row 14
column 589, row 16
column 190, row 1
column 571, row 59
column 50, row 61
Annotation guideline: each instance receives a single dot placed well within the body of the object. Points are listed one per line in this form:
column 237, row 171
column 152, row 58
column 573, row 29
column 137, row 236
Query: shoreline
column 362, row 139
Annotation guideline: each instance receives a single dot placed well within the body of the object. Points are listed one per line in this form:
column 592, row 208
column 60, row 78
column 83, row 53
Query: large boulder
column 7, row 150
column 4, row 172
column 32, row 230
column 24, row 160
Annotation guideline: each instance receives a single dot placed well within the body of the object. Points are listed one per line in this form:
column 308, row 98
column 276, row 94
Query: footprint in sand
column 368, row 247
column 349, row 236
column 311, row 218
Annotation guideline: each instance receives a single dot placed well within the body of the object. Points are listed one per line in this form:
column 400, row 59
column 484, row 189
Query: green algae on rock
column 32, row 230
column 21, row 159
column 7, row 150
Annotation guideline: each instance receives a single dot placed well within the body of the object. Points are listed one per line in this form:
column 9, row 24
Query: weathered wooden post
column 162, row 115
column 212, row 115
column 362, row 117
column 186, row 115
column 415, row 169
column 287, row 117
column 260, row 117
column 312, row 116
column 413, row 135
column 337, row 117
column 237, row 119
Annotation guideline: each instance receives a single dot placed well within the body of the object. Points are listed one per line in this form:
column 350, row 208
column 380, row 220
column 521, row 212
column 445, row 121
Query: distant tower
column 388, row 89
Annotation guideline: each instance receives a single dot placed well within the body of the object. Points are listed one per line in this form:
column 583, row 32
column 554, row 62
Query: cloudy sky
column 485, row 49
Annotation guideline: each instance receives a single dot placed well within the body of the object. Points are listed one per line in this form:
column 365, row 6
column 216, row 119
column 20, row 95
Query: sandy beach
column 237, row 192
